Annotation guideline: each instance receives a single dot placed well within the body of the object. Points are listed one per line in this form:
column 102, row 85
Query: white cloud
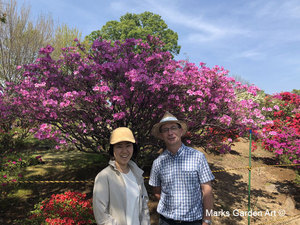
column 200, row 28
column 118, row 6
column 249, row 54
column 289, row 9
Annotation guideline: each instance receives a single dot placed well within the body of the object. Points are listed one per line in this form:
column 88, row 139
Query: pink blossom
column 43, row 84
column 225, row 119
column 119, row 116
column 129, row 83
column 62, row 142
column 64, row 104
column 279, row 151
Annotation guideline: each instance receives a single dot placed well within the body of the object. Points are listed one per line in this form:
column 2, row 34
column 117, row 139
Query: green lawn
column 18, row 199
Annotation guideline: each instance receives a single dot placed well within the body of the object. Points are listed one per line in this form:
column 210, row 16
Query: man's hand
column 207, row 201
column 156, row 192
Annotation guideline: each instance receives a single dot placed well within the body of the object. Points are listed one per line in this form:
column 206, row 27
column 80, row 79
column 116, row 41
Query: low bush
column 69, row 208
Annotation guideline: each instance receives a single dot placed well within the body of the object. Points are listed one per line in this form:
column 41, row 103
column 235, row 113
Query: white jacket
column 109, row 196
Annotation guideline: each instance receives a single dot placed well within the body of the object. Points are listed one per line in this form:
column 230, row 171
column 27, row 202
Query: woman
column 120, row 196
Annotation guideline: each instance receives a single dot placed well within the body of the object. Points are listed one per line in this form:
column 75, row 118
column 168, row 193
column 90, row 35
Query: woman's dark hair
column 136, row 150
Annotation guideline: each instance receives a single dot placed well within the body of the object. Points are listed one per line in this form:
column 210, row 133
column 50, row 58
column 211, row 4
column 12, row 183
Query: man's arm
column 207, row 200
column 156, row 192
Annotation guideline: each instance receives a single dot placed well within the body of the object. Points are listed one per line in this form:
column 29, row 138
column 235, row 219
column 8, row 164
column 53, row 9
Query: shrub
column 283, row 136
column 69, row 208
column 12, row 164
column 80, row 98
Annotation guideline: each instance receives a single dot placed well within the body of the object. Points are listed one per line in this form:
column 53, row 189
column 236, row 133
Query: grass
column 18, row 199
column 20, row 193
column 230, row 189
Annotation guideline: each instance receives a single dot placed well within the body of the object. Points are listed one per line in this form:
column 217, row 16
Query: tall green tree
column 20, row 40
column 138, row 26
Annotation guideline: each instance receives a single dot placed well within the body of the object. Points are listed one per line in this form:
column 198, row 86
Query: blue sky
column 257, row 40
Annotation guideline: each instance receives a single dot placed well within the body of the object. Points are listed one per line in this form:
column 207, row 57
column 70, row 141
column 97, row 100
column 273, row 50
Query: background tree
column 242, row 80
column 2, row 14
column 20, row 40
column 2, row 17
column 64, row 37
column 296, row 91
column 139, row 26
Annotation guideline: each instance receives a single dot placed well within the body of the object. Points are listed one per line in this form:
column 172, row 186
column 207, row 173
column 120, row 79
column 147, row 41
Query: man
column 181, row 177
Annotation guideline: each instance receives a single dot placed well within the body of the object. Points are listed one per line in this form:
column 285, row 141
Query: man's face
column 171, row 133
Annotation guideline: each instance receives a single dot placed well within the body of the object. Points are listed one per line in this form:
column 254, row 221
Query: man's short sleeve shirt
column 180, row 177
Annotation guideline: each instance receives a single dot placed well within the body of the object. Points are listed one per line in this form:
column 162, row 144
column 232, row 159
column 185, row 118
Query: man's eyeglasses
column 165, row 130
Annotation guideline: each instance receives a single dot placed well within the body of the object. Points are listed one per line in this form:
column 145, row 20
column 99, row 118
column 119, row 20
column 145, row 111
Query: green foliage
column 16, row 136
column 11, row 139
column 12, row 165
column 296, row 91
column 138, row 26
column 64, row 37
column 258, row 98
column 3, row 18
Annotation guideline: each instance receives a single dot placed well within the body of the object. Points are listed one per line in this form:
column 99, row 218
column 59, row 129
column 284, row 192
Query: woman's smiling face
column 123, row 152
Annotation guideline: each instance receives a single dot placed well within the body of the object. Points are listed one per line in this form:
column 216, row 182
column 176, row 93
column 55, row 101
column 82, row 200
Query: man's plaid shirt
column 179, row 177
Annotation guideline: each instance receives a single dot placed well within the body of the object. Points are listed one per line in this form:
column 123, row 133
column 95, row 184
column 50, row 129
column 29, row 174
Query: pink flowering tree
column 80, row 98
column 14, row 129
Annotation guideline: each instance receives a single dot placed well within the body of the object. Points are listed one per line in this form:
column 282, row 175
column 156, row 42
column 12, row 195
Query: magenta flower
column 130, row 83
column 273, row 133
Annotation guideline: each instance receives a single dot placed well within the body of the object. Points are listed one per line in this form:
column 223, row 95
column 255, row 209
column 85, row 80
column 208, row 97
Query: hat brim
column 122, row 139
column 155, row 129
